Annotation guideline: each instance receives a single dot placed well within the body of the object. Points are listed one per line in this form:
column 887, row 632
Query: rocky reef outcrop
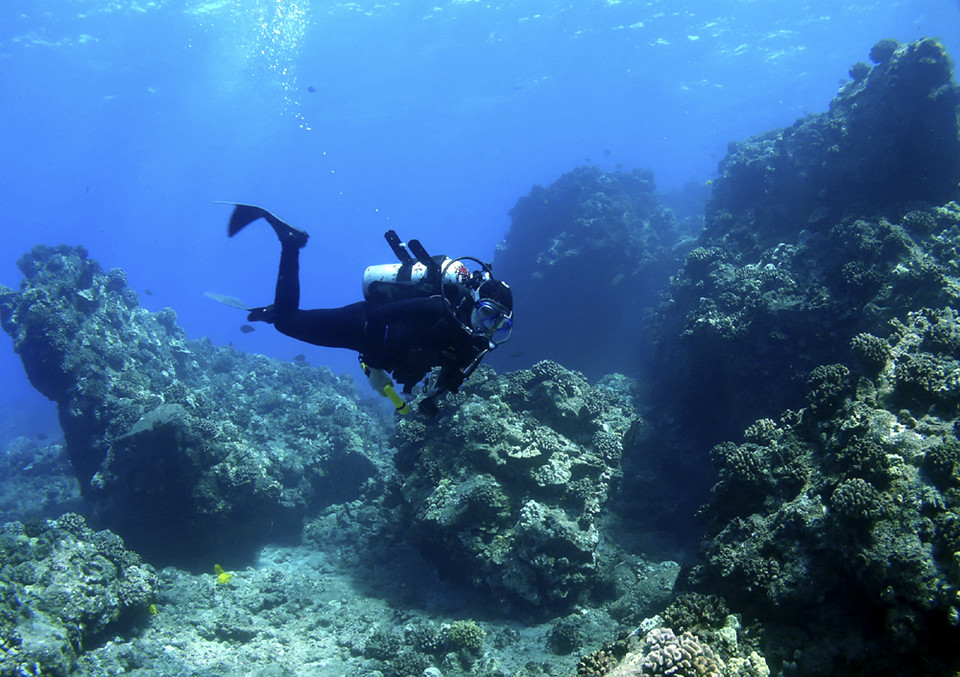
column 505, row 489
column 815, row 233
column 188, row 450
column 839, row 520
column 585, row 257
column 888, row 141
column 65, row 588
column 814, row 324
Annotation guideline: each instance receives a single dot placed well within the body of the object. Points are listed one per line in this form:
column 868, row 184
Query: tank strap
column 399, row 249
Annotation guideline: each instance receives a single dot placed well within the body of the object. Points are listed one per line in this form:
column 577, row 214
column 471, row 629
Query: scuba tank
column 416, row 275
column 390, row 282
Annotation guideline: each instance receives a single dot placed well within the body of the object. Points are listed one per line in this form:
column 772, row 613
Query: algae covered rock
column 853, row 505
column 889, row 138
column 814, row 234
column 64, row 586
column 505, row 488
column 188, row 450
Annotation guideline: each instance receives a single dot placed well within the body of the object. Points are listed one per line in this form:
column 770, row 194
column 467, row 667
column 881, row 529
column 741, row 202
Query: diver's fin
column 227, row 300
column 243, row 215
column 262, row 314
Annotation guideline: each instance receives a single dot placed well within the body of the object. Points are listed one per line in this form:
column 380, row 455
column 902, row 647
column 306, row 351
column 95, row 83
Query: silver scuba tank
column 395, row 281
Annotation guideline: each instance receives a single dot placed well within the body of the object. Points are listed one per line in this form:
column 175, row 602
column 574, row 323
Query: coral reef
column 815, row 233
column 63, row 589
column 868, row 529
column 889, row 139
column 664, row 653
column 187, row 450
column 809, row 341
column 655, row 650
column 585, row 257
column 792, row 266
column 832, row 517
column 505, row 489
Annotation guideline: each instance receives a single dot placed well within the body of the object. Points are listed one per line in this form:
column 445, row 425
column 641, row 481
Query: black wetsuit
column 406, row 338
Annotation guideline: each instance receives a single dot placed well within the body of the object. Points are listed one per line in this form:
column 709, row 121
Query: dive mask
column 492, row 320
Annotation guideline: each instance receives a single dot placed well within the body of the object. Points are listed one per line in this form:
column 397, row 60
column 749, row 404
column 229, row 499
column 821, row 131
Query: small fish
column 299, row 357
column 311, row 89
column 223, row 577
column 606, row 152
column 246, row 328
column 148, row 292
column 41, row 436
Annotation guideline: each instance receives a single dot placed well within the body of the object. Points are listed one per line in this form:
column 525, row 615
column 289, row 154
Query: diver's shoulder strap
column 423, row 257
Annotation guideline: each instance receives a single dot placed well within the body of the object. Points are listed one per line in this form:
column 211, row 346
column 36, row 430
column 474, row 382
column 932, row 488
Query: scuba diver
column 423, row 312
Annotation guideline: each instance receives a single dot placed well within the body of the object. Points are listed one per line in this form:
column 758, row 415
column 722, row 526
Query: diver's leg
column 287, row 295
column 333, row 328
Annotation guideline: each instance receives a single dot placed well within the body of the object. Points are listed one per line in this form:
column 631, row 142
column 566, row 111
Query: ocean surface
column 121, row 124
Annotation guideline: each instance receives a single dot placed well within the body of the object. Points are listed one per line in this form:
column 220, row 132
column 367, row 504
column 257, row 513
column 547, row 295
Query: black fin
column 243, row 215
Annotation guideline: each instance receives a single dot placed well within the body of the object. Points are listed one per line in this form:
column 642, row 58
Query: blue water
column 122, row 122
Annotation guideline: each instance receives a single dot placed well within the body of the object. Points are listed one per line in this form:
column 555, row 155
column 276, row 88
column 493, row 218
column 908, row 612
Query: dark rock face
column 504, row 490
column 839, row 521
column 815, row 233
column 63, row 586
column 584, row 256
column 187, row 450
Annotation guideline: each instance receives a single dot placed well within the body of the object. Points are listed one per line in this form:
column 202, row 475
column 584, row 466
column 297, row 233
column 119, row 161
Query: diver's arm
column 451, row 376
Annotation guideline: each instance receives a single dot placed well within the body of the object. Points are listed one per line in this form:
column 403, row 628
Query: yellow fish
column 222, row 576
